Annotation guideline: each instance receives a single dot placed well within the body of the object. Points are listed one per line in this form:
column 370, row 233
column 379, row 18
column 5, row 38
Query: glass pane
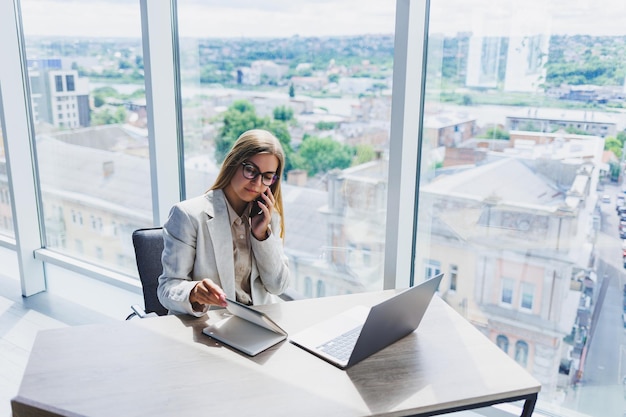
column 522, row 151
column 325, row 92
column 10, row 268
column 6, row 210
column 85, row 71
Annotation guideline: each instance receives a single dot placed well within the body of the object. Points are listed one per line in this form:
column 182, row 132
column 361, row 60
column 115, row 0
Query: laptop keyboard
column 341, row 346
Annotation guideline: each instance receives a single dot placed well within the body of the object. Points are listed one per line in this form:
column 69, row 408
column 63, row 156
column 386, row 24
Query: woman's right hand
column 206, row 292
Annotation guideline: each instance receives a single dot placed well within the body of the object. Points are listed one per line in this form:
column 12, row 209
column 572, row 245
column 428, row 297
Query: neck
column 237, row 204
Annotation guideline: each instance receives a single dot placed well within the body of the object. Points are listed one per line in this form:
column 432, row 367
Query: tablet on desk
column 247, row 330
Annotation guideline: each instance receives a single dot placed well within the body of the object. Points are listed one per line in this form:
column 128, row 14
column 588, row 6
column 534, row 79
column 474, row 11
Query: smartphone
column 254, row 208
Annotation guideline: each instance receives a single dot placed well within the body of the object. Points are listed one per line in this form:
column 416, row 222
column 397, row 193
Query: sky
column 285, row 18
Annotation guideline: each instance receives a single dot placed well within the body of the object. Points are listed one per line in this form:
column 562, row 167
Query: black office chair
column 148, row 244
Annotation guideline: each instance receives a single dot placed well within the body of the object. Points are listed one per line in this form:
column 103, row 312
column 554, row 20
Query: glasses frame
column 258, row 172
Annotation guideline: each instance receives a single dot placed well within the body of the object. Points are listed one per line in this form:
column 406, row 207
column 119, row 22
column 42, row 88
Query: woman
column 225, row 244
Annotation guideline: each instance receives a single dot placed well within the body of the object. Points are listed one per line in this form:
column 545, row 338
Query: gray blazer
column 198, row 244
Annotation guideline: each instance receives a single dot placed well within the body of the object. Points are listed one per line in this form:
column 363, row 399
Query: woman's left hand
column 259, row 224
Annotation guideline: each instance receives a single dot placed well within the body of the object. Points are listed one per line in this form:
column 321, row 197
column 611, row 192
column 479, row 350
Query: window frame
column 161, row 64
column 23, row 177
column 526, row 288
column 506, row 287
column 454, row 275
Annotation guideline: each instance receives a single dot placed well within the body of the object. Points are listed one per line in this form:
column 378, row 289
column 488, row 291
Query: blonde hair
column 250, row 143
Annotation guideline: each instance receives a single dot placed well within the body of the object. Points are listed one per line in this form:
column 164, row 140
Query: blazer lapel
column 221, row 238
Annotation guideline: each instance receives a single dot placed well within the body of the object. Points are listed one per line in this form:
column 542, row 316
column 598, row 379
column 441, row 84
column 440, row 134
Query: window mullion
column 163, row 105
column 409, row 73
column 20, row 150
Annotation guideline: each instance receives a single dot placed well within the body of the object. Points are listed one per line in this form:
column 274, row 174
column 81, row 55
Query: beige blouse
column 240, row 228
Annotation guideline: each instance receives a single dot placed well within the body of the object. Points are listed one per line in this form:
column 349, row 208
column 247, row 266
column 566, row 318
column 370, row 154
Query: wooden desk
column 165, row 366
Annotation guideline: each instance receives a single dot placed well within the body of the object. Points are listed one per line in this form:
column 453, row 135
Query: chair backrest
column 148, row 244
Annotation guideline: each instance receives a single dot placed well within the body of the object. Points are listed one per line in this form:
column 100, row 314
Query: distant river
column 484, row 115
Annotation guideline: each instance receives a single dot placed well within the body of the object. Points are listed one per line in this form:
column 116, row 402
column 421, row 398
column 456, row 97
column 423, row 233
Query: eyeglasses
column 250, row 172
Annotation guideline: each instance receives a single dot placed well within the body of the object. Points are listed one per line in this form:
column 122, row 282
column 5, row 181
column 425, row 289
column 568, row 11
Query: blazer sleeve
column 180, row 233
column 271, row 261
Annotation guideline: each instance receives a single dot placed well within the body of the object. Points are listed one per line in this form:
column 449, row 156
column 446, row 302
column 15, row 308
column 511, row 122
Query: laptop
column 246, row 329
column 359, row 332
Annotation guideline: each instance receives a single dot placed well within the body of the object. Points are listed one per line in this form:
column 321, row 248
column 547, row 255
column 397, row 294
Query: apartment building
column 60, row 97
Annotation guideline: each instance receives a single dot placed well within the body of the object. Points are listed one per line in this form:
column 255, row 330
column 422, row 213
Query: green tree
column 240, row 117
column 292, row 91
column 139, row 93
column 98, row 100
column 364, row 153
column 325, row 125
column 280, row 130
column 614, row 170
column 283, row 113
column 120, row 114
column 123, row 64
column 621, row 136
column 496, row 133
column 107, row 116
column 614, row 145
column 107, row 92
column 324, row 154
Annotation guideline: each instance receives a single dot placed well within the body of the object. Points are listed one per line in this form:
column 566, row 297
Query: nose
column 257, row 180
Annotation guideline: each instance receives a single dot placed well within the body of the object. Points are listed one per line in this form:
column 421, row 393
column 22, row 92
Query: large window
column 324, row 90
column 89, row 114
column 524, row 127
